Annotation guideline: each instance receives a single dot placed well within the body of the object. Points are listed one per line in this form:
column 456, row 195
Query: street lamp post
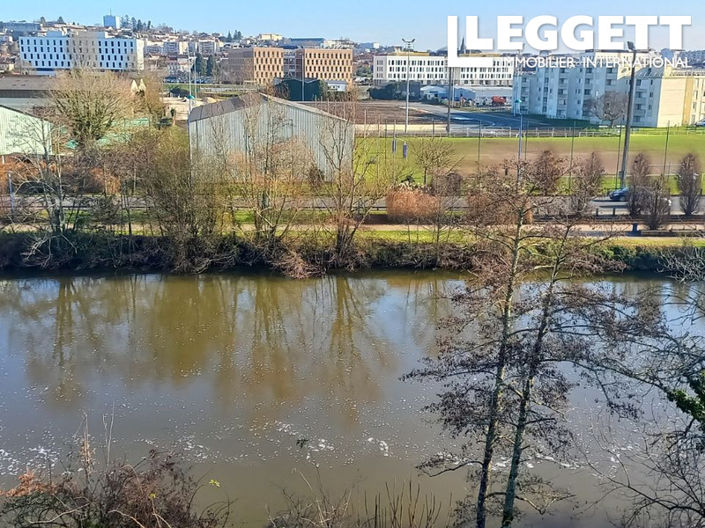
column 408, row 43
column 628, row 126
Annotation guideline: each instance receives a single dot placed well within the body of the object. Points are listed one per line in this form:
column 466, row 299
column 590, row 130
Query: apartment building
column 564, row 92
column 324, row 64
column 208, row 47
column 487, row 70
column 669, row 96
column 256, row 65
column 174, row 48
column 84, row 49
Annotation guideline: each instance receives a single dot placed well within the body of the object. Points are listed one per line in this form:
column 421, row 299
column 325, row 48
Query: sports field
column 494, row 150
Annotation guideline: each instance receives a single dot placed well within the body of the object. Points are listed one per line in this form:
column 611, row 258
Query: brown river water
column 234, row 369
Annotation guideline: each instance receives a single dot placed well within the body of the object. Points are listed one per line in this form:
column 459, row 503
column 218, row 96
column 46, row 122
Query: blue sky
column 362, row 20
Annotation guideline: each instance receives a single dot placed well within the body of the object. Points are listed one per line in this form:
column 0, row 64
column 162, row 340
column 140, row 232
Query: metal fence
column 460, row 131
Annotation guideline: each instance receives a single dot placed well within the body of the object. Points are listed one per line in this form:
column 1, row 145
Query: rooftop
column 236, row 103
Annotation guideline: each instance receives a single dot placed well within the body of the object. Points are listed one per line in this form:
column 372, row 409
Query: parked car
column 619, row 195
column 700, row 123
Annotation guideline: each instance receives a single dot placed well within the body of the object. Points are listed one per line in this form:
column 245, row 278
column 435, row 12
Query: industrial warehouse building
column 23, row 133
column 231, row 127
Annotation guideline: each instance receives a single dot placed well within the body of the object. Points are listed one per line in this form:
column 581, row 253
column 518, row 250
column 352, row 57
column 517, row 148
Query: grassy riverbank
column 314, row 254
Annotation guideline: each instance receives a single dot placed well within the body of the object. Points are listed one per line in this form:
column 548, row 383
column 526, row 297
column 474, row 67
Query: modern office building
column 85, row 49
column 487, row 70
column 111, row 21
column 257, row 65
column 323, row 64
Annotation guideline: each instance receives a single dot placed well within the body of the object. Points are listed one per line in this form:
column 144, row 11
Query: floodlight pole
column 408, row 43
column 628, row 126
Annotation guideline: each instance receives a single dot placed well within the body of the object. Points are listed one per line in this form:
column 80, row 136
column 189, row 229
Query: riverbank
column 304, row 256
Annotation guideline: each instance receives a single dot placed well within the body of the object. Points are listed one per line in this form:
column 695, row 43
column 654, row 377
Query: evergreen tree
column 229, row 38
column 60, row 20
column 210, row 66
column 199, row 65
column 43, row 21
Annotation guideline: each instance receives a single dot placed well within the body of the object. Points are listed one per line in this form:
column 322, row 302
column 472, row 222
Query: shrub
column 155, row 493
column 409, row 204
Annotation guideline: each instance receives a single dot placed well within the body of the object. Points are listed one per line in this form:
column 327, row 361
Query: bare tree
column 182, row 197
column 610, row 106
column 638, row 183
column 90, row 104
column 656, row 200
column 487, row 373
column 587, row 183
column 359, row 176
column 270, row 174
column 644, row 351
column 434, row 156
column 690, row 183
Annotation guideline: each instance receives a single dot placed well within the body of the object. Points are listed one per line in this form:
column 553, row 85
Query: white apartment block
column 663, row 95
column 490, row 70
column 570, row 92
column 85, row 49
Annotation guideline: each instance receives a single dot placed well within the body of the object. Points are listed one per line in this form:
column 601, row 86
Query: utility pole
column 450, row 95
column 408, row 43
column 665, row 150
column 303, row 78
column 628, row 127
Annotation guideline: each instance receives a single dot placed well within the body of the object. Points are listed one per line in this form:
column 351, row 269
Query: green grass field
column 494, row 150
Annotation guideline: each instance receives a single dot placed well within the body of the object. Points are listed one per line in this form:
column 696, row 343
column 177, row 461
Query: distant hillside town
column 308, row 68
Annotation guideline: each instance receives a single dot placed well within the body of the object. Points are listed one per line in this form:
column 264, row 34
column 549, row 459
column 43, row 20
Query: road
column 599, row 206
column 490, row 119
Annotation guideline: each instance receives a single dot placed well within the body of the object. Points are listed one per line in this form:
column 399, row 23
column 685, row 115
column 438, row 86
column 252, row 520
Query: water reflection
column 273, row 339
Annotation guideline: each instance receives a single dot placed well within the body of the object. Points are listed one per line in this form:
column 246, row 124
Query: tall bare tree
column 587, row 183
column 480, row 372
column 90, row 103
column 638, row 183
column 690, row 183
column 359, row 176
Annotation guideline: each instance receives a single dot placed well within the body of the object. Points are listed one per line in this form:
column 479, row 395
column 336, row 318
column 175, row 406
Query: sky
column 386, row 21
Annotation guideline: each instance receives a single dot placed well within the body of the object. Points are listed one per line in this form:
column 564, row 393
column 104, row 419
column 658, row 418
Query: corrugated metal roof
column 236, row 103
column 222, row 107
column 26, row 82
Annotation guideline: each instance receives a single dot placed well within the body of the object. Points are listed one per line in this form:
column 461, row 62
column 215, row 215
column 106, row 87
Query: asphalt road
column 602, row 206
column 488, row 119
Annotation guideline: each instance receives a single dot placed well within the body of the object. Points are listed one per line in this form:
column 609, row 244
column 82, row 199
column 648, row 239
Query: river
column 258, row 379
